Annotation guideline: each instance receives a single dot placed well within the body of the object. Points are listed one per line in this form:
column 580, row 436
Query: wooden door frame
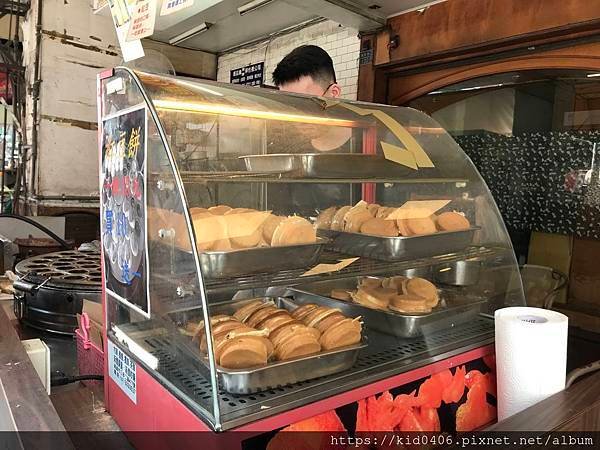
column 401, row 89
column 459, row 40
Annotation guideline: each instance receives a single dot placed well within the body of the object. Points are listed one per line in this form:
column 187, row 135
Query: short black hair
column 305, row 60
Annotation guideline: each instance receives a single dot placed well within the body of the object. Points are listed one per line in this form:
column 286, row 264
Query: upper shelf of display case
column 226, row 133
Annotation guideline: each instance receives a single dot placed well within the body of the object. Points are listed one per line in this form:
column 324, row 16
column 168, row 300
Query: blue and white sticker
column 121, row 368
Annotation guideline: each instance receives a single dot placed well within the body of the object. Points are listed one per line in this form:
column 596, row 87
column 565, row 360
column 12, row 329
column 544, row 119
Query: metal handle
column 25, row 286
column 163, row 185
column 165, row 233
column 184, row 292
column 19, row 306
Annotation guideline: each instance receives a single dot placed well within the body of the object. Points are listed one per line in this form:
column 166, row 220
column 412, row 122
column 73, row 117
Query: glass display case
column 263, row 251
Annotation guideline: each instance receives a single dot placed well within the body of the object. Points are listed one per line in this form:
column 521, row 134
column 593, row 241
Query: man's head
column 307, row 70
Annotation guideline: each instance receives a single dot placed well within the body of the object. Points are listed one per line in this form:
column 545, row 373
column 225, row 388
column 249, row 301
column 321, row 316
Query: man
column 309, row 70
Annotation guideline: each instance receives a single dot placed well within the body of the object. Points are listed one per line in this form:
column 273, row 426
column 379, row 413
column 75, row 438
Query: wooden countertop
column 29, row 403
column 574, row 409
column 77, row 408
column 29, row 406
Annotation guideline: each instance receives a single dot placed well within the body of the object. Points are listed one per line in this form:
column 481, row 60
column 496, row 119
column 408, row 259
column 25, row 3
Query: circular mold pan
column 36, row 266
column 74, row 278
column 65, row 268
column 51, row 274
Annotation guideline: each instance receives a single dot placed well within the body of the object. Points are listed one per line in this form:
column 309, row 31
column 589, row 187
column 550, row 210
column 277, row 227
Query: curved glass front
column 368, row 217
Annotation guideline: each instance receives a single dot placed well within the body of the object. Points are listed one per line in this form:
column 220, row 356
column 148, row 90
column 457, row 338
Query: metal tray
column 326, row 165
column 400, row 247
column 282, row 373
column 454, row 307
column 234, row 263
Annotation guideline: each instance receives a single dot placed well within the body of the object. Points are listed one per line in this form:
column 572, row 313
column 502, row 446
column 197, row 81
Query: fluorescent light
column 252, row 6
column 212, row 108
column 593, row 75
column 195, row 86
column 190, row 33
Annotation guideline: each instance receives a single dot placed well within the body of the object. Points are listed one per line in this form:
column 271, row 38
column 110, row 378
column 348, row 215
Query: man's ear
column 335, row 90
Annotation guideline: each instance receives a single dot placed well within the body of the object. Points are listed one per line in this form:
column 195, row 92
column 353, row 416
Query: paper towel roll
column 531, row 357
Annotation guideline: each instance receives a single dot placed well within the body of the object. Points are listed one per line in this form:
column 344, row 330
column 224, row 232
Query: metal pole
column 16, row 100
column 4, row 122
column 16, row 91
column 36, row 94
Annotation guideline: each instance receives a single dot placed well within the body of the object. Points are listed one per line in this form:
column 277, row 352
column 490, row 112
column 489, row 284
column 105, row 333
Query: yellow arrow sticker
column 399, row 155
column 395, row 153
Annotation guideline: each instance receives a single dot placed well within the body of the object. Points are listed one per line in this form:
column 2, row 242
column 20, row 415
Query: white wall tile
column 341, row 43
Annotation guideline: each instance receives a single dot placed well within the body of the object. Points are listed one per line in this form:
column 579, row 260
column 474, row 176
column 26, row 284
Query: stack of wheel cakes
column 398, row 294
column 222, row 228
column 259, row 332
column 372, row 219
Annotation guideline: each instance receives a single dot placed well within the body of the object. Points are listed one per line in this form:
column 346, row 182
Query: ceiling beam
column 345, row 12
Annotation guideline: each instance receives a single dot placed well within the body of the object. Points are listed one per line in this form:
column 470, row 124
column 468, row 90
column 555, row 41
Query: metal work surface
column 399, row 247
column 384, row 357
column 240, row 262
column 454, row 307
column 363, row 266
column 326, row 165
column 279, row 373
column 260, row 177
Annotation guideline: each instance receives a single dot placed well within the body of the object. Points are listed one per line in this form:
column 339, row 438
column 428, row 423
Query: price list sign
column 123, row 223
column 251, row 75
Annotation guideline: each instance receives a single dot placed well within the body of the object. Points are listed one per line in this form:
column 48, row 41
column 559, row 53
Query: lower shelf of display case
column 222, row 289
column 384, row 357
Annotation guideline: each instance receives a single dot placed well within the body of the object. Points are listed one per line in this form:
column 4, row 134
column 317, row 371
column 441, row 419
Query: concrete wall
column 340, row 42
column 77, row 45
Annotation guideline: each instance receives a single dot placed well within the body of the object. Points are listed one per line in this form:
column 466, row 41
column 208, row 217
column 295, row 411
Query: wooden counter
column 24, row 403
column 574, row 409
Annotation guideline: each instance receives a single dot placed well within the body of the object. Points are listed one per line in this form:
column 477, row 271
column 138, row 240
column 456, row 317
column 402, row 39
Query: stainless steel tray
column 400, row 247
column 454, row 307
column 326, row 165
column 273, row 375
column 234, row 263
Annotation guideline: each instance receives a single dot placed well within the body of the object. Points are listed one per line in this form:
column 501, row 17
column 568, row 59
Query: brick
column 348, row 57
column 350, row 41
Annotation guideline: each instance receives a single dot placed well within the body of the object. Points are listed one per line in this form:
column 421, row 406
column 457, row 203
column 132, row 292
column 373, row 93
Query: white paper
column 130, row 50
column 172, row 6
column 531, row 357
column 121, row 15
column 119, row 9
column 327, row 268
column 143, row 18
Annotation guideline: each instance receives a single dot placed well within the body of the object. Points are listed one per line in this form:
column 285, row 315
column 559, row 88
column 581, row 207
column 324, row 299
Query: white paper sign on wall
column 142, row 20
column 172, row 6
